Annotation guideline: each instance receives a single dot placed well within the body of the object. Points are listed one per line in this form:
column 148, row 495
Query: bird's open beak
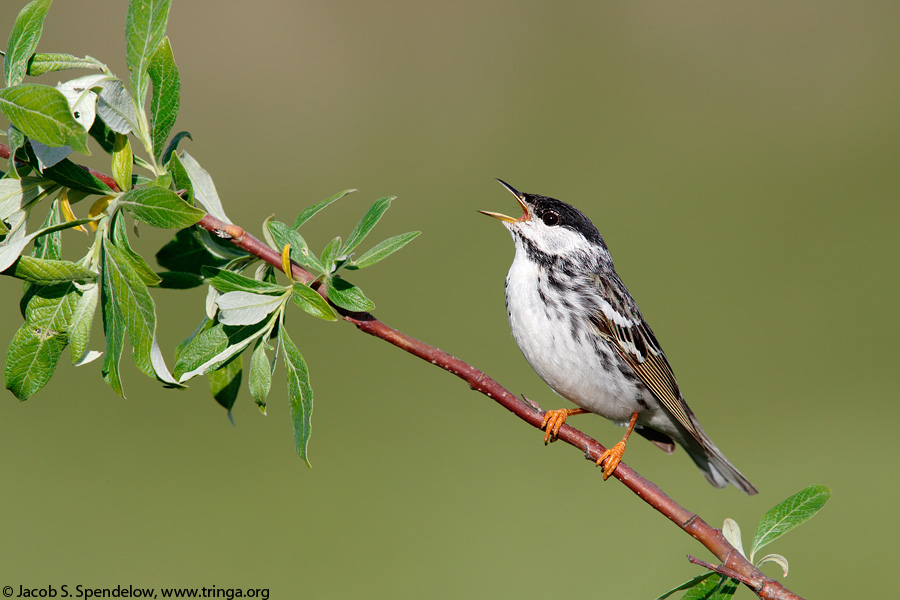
column 520, row 197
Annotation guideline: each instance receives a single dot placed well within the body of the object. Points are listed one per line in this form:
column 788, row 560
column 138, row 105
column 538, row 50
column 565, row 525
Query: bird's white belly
column 573, row 365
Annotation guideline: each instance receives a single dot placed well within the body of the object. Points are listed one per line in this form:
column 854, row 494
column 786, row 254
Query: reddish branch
column 733, row 563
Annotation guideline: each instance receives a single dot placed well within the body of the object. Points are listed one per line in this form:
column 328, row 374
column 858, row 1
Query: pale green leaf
column 260, row 380
column 116, row 108
column 732, row 532
column 42, row 113
column 81, row 320
column 203, row 187
column 212, row 347
column 17, row 194
column 365, row 225
column 160, row 208
column 23, row 40
column 166, row 96
column 789, row 513
column 777, row 559
column 246, row 308
column 300, row 395
column 384, row 249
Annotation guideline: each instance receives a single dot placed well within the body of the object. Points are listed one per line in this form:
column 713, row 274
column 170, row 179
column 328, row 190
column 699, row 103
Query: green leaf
column 185, row 253
column 23, row 39
column 180, row 176
column 166, row 96
column 348, row 296
column 309, row 300
column 42, row 113
column 246, row 308
column 260, row 381
column 365, row 225
column 137, row 262
column 789, row 513
column 16, row 140
column 228, row 281
column 68, row 174
column 177, row 280
column 173, row 145
column 145, row 27
column 307, row 213
column 160, row 208
column 116, row 108
column 122, row 162
column 47, row 272
column 690, row 583
column 225, row 383
column 81, row 320
column 300, row 395
column 114, row 331
column 103, row 135
column 714, row 588
column 300, row 252
column 330, row 254
column 41, row 63
column 138, row 311
column 384, row 249
column 31, row 359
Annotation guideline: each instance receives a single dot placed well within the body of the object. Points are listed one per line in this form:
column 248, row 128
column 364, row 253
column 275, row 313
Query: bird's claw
column 553, row 420
column 612, row 456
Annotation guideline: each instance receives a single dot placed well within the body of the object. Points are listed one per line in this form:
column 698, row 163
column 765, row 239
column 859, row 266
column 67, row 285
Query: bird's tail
column 718, row 470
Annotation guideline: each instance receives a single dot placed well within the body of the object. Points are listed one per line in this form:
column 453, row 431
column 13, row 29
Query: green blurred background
column 741, row 162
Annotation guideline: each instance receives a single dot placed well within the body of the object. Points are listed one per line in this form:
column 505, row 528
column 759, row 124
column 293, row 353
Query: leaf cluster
column 778, row 520
column 152, row 184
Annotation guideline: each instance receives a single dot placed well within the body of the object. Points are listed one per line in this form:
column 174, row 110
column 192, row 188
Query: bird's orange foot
column 612, row 456
column 554, row 419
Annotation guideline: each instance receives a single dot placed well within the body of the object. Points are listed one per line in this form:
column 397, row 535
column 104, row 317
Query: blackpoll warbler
column 582, row 332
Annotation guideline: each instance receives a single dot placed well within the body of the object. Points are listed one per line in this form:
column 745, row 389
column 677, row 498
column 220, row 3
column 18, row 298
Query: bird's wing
column 619, row 321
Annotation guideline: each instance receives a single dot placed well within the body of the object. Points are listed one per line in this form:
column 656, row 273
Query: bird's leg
column 553, row 420
column 613, row 455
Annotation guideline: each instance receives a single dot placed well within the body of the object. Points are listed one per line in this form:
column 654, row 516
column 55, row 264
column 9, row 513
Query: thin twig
column 722, row 570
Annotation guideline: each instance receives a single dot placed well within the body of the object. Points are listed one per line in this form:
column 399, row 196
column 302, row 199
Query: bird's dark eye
column 550, row 218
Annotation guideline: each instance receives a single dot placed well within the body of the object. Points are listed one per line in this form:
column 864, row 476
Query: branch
column 732, row 560
column 734, row 564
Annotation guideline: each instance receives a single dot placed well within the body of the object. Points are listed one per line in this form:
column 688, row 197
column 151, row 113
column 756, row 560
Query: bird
column 582, row 332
